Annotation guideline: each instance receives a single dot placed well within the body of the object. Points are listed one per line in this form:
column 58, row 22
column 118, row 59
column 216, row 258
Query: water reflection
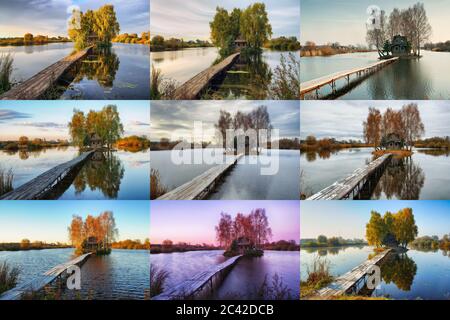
column 401, row 179
column 323, row 252
column 104, row 172
column 400, row 270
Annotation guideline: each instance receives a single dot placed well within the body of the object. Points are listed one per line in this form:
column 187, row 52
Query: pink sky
column 194, row 221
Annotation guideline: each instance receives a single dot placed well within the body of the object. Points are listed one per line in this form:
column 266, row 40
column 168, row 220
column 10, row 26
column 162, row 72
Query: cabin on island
column 92, row 38
column 244, row 244
column 399, row 46
column 240, row 43
column 392, row 141
column 91, row 244
column 95, row 142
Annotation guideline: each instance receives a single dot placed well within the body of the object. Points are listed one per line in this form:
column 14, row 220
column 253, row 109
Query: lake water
column 422, row 79
column 124, row 274
column 245, row 80
column 417, row 177
column 247, row 274
column 123, row 72
column 244, row 181
column 118, row 175
column 29, row 60
column 413, row 275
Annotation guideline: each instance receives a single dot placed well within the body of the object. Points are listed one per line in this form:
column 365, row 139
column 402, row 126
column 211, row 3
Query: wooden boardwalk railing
column 39, row 186
column 190, row 287
column 192, row 88
column 42, row 280
column 199, row 187
column 352, row 185
column 351, row 279
column 37, row 85
column 316, row 84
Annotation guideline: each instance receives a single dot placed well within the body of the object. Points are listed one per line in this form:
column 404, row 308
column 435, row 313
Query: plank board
column 36, row 187
column 345, row 282
column 340, row 189
column 311, row 85
column 42, row 280
column 37, row 85
column 192, row 88
column 197, row 188
column 191, row 286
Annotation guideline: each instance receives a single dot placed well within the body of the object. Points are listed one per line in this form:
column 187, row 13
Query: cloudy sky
column 343, row 119
column 179, row 116
column 48, row 119
column 320, row 217
column 49, row 17
column 324, row 21
column 48, row 220
column 190, row 19
column 194, row 221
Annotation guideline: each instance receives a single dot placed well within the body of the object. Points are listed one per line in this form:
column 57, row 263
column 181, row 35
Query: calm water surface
column 417, row 177
column 245, row 180
column 29, row 60
column 243, row 278
column 117, row 175
column 124, row 274
column 425, row 78
column 413, row 275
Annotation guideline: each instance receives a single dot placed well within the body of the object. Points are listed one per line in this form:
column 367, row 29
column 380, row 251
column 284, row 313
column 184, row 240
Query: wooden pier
column 38, row 187
column 193, row 286
column 200, row 187
column 315, row 84
column 352, row 185
column 42, row 280
column 192, row 88
column 37, row 85
column 350, row 281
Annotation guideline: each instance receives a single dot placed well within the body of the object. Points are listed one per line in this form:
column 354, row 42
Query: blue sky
column 48, row 220
column 190, row 19
column 348, row 218
column 343, row 119
column 48, row 119
column 324, row 21
column 49, row 17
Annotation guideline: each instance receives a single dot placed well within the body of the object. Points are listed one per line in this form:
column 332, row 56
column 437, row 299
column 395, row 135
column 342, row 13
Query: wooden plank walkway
column 37, row 85
column 42, row 280
column 199, row 187
column 345, row 187
column 36, row 188
column 343, row 284
column 315, row 84
column 190, row 287
column 192, row 88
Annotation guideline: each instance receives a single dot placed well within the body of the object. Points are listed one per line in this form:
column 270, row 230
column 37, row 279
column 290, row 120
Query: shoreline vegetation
column 331, row 242
column 310, row 49
column 30, row 40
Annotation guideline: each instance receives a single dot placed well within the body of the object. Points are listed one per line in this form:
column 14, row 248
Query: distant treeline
column 283, row 43
column 132, row 244
column 28, row 40
column 35, row 144
column 310, row 49
column 328, row 144
column 435, row 142
column 133, row 38
column 282, row 245
column 132, row 143
column 167, row 246
column 158, row 43
column 439, row 46
column 432, row 243
column 323, row 241
column 26, row 244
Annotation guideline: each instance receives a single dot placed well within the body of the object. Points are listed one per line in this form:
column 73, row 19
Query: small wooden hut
column 392, row 141
column 95, row 142
column 240, row 43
